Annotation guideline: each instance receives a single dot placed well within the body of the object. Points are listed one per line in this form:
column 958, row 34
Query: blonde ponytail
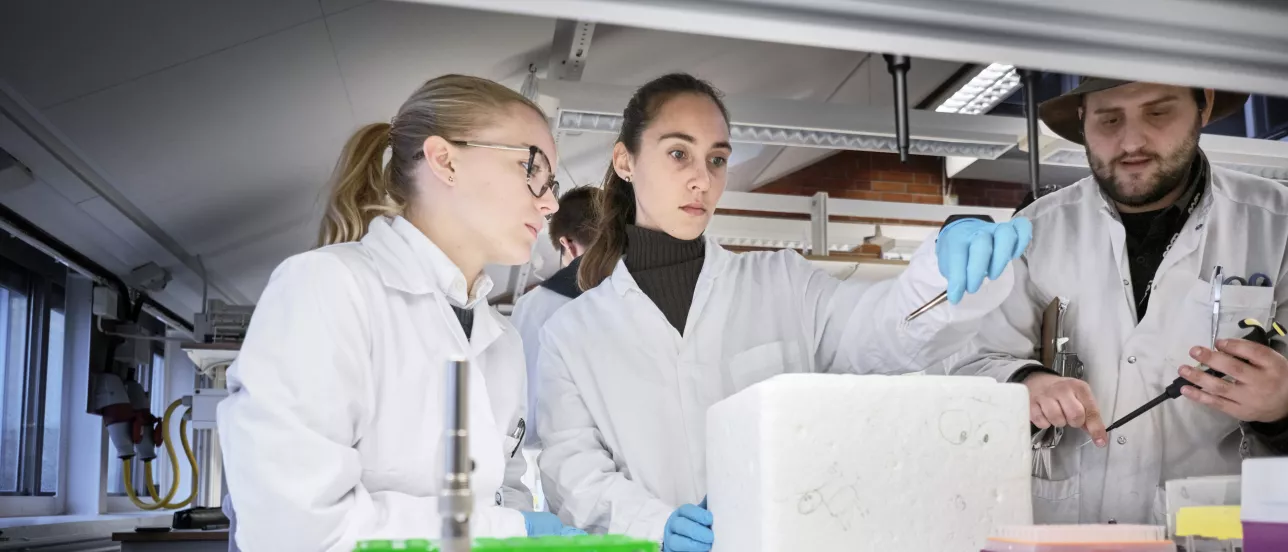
column 363, row 187
column 360, row 187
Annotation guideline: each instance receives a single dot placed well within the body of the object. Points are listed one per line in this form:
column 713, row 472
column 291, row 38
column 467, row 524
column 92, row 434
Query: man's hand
column 1064, row 402
column 1260, row 390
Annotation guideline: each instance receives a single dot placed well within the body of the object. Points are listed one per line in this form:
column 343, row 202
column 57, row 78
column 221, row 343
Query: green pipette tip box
column 587, row 543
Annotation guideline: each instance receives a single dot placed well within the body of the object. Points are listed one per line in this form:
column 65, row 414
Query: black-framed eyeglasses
column 538, row 168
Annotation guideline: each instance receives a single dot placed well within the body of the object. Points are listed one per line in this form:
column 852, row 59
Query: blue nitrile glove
column 542, row 524
column 969, row 249
column 689, row 529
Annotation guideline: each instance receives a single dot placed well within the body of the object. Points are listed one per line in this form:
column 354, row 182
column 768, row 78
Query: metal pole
column 1031, row 113
column 898, row 66
column 818, row 225
column 456, row 502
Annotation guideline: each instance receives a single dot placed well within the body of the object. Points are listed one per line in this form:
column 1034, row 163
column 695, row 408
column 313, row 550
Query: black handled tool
column 1259, row 335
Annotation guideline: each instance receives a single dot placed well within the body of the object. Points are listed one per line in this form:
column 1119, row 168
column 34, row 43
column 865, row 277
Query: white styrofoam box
column 1217, row 490
column 1265, row 490
column 824, row 462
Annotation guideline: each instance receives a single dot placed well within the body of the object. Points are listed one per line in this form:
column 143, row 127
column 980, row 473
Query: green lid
column 585, row 543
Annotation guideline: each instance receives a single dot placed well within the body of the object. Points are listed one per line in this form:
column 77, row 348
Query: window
column 31, row 378
column 49, row 453
column 14, row 313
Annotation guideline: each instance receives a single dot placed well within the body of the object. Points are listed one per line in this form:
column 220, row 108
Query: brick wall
column 984, row 193
column 881, row 177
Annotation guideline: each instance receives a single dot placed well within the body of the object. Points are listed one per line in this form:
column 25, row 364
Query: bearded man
column 1132, row 248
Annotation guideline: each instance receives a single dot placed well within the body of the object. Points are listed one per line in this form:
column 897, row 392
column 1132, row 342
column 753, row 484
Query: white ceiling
column 220, row 121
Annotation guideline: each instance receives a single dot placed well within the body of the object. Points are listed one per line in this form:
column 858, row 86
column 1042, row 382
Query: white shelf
column 205, row 355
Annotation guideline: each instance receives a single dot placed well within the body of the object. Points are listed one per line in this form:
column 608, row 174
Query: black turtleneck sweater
column 466, row 317
column 666, row 269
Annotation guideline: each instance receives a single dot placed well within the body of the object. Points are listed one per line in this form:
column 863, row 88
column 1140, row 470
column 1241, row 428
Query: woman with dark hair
column 672, row 323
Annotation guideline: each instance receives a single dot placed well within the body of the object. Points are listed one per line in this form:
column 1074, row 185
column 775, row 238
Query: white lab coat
column 624, row 396
column 333, row 428
column 531, row 312
column 1079, row 253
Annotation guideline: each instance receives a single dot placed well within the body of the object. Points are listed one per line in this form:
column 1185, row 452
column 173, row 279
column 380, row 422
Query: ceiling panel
column 130, row 235
column 88, row 46
column 224, row 146
column 248, row 267
column 870, row 86
column 330, row 7
column 42, row 163
column 1017, row 170
column 630, row 56
column 51, row 212
column 388, row 49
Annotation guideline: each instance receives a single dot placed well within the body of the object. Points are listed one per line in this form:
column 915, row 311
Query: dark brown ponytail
column 616, row 206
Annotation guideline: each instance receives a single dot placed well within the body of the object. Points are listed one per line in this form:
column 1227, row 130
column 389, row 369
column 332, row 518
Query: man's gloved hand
column 689, row 529
column 542, row 524
column 969, row 249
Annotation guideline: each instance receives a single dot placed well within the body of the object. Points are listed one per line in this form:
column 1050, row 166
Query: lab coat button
column 1122, row 439
column 1126, row 282
column 1131, row 360
column 498, row 498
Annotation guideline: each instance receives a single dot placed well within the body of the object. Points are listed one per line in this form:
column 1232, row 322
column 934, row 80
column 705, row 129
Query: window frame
column 44, row 283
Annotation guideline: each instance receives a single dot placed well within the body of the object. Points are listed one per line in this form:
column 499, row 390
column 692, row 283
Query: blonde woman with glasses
column 333, row 426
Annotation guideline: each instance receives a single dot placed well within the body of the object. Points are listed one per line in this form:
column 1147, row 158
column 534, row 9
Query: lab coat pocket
column 1237, row 303
column 760, row 363
column 1056, row 501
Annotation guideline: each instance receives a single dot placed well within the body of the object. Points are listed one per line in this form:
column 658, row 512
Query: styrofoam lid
column 1265, row 490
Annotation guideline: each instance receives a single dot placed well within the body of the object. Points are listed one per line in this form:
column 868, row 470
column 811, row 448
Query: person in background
column 572, row 230
column 332, row 431
column 672, row 323
column 1132, row 248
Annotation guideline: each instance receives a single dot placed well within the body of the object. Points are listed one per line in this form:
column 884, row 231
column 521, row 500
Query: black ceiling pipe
column 1030, row 79
column 898, row 66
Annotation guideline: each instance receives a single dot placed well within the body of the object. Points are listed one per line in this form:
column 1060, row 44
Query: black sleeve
column 1019, row 375
column 1274, row 435
column 956, row 218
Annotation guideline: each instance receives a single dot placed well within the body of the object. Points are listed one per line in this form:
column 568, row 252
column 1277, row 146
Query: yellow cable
column 129, row 487
column 174, row 462
column 192, row 461
column 152, row 487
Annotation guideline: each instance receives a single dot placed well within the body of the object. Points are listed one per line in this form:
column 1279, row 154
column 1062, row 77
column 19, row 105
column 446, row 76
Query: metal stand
column 456, row 503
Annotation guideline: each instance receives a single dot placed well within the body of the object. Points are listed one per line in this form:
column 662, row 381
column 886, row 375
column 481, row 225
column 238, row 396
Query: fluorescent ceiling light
column 992, row 85
column 583, row 121
column 596, row 107
column 1264, row 158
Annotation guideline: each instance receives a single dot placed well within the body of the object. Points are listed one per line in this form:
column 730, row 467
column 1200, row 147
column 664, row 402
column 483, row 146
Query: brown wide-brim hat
column 1061, row 114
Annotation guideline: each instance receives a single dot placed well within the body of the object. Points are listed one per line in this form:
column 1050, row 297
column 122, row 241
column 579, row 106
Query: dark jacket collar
column 564, row 281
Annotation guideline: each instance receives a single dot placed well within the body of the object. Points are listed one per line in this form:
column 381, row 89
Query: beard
column 1173, row 171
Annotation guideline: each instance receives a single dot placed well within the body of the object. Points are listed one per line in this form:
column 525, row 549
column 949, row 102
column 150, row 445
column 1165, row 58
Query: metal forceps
column 938, row 300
